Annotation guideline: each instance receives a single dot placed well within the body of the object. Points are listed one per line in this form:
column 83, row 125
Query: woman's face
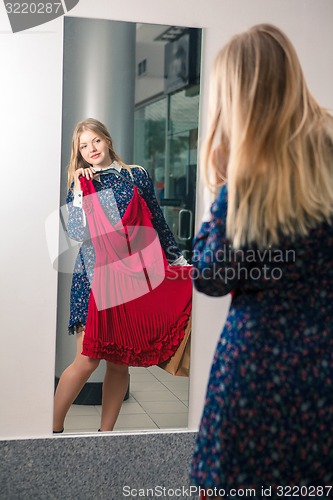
column 94, row 149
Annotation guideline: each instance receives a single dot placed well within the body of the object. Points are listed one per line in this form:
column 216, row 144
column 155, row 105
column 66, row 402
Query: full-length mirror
column 142, row 81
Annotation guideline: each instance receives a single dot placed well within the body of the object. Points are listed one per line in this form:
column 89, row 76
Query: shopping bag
column 179, row 363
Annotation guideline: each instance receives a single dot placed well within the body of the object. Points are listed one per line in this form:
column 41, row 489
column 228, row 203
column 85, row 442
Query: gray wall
column 94, row 467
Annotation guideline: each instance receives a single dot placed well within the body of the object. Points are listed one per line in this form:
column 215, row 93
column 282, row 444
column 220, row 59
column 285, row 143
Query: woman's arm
column 165, row 235
column 220, row 269
column 77, row 228
column 216, row 269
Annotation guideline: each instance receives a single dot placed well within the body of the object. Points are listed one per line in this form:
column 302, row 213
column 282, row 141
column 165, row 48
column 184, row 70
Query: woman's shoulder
column 223, row 194
column 138, row 170
column 139, row 173
column 219, row 207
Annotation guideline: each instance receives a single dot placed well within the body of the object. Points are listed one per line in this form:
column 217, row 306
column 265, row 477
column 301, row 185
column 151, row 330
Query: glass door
column 181, row 167
column 166, row 133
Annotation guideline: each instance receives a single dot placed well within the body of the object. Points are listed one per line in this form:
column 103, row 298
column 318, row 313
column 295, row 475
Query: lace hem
column 78, row 327
column 131, row 356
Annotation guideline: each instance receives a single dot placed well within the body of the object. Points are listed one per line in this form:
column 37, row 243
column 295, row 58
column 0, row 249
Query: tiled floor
column 157, row 400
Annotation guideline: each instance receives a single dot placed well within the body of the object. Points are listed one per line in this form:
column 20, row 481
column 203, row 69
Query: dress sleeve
column 220, row 269
column 215, row 264
column 77, row 228
column 165, row 235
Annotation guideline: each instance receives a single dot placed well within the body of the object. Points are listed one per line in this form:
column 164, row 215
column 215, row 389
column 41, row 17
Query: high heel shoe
column 58, row 432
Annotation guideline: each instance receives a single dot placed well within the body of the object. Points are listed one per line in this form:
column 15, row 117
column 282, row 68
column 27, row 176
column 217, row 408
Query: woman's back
column 269, row 405
column 268, row 415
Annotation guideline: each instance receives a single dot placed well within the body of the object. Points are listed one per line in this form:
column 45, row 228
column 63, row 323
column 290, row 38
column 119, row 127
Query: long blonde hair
column 268, row 139
column 76, row 160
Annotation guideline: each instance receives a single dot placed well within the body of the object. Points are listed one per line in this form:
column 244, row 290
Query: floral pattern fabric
column 268, row 414
column 114, row 195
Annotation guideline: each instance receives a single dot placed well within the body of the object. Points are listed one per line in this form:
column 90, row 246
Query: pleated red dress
column 139, row 305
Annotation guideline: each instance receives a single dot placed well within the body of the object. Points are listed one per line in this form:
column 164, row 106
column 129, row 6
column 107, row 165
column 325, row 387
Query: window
column 142, row 67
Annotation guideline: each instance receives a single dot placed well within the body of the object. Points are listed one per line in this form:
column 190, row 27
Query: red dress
column 139, row 305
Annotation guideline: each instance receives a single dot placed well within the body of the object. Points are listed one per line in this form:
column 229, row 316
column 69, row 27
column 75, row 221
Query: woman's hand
column 88, row 173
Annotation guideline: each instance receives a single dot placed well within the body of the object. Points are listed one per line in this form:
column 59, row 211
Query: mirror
column 143, row 82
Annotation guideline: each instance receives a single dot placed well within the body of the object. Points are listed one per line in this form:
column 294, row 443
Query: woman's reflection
column 131, row 290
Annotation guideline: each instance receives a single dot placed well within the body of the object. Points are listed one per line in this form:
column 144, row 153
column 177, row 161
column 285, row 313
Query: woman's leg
column 114, row 389
column 70, row 384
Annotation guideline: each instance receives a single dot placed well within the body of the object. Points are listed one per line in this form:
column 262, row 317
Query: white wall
column 30, row 109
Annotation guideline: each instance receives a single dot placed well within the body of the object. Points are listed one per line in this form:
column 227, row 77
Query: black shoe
column 58, row 432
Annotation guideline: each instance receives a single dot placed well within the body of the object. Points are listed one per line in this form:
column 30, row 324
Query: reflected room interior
column 143, row 82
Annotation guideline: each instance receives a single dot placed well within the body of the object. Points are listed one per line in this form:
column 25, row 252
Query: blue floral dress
column 114, row 195
column 268, row 414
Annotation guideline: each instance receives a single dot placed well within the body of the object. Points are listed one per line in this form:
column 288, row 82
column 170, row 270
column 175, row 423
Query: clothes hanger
column 116, row 172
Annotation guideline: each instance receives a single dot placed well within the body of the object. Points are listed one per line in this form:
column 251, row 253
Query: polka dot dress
column 268, row 414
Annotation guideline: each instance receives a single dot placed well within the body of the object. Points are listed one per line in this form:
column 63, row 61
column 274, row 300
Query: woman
column 92, row 152
column 268, row 415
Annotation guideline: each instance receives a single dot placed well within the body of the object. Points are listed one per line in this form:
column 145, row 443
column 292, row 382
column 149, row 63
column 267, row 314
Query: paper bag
column 179, row 363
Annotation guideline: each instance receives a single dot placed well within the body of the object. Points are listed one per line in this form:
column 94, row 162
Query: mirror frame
column 66, row 345
column 29, row 298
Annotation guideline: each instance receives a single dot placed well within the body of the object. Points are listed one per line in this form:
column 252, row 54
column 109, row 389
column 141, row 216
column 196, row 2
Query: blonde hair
column 269, row 139
column 76, row 160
